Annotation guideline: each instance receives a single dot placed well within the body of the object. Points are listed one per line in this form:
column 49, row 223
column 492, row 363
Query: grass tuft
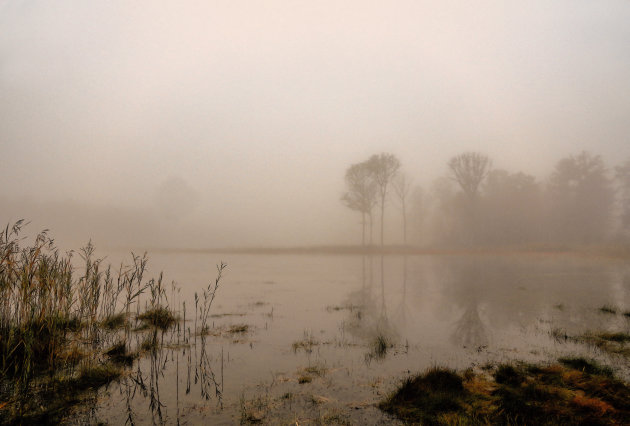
column 159, row 317
column 424, row 397
column 306, row 344
column 508, row 375
column 304, row 379
column 586, row 366
column 114, row 322
column 238, row 328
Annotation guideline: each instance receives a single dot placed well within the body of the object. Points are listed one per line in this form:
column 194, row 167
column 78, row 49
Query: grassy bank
column 571, row 391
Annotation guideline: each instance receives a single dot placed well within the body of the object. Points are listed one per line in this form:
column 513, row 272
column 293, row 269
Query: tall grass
column 208, row 297
column 39, row 303
column 60, row 314
column 48, row 307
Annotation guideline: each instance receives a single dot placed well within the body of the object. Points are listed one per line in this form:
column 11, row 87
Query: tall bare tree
column 384, row 167
column 402, row 186
column 361, row 194
column 469, row 170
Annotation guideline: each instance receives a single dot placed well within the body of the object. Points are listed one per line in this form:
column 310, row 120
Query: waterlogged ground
column 308, row 339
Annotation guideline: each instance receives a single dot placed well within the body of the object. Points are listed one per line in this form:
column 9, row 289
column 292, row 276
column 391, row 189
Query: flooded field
column 317, row 338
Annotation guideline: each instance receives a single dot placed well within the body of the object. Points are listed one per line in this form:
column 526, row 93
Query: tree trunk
column 371, row 227
column 363, row 229
column 404, row 215
column 382, row 219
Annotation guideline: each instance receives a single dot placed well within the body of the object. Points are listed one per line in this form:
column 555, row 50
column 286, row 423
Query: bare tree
column 361, row 194
column 469, row 170
column 582, row 197
column 384, row 167
column 402, row 186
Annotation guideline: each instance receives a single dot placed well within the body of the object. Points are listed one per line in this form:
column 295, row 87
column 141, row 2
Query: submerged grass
column 574, row 391
column 238, row 328
column 118, row 353
column 96, row 376
column 608, row 309
column 115, row 321
column 306, row 343
column 379, row 347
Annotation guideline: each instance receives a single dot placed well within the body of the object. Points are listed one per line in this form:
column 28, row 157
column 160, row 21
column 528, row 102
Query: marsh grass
column 575, row 391
column 304, row 379
column 608, row 309
column 159, row 317
column 254, row 411
column 316, row 370
column 379, row 347
column 612, row 343
column 55, row 319
column 333, row 418
column 615, row 337
column 114, row 321
column 118, row 353
column 209, row 293
column 306, row 343
column 150, row 343
column 238, row 328
column 95, row 376
column 586, row 366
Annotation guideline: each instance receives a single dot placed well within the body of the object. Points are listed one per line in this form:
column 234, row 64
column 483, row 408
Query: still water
column 328, row 336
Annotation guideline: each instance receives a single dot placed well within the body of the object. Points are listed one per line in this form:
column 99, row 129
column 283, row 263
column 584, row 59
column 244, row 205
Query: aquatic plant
column 307, row 342
column 379, row 346
column 209, row 294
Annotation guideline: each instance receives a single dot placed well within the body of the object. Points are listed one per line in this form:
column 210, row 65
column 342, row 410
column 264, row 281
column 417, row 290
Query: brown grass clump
column 575, row 391
column 238, row 328
column 304, row 379
column 114, row 322
column 159, row 317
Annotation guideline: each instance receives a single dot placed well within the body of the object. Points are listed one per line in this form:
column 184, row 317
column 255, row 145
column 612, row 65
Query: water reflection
column 402, row 311
column 468, row 284
column 476, row 302
column 431, row 309
column 469, row 329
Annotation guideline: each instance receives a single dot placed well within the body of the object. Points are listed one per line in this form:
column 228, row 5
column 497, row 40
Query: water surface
column 322, row 316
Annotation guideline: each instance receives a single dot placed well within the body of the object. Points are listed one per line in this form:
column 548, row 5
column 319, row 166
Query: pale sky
column 258, row 107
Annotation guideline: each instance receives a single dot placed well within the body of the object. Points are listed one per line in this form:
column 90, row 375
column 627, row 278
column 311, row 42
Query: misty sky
column 245, row 114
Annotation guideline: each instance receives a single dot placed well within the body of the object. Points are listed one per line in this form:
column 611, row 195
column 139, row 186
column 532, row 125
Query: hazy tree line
column 582, row 201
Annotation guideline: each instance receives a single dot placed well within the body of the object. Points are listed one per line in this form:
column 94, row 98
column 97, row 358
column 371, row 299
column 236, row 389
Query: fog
column 232, row 123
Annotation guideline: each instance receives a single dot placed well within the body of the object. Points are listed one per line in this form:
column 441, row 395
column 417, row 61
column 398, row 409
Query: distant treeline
column 581, row 202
